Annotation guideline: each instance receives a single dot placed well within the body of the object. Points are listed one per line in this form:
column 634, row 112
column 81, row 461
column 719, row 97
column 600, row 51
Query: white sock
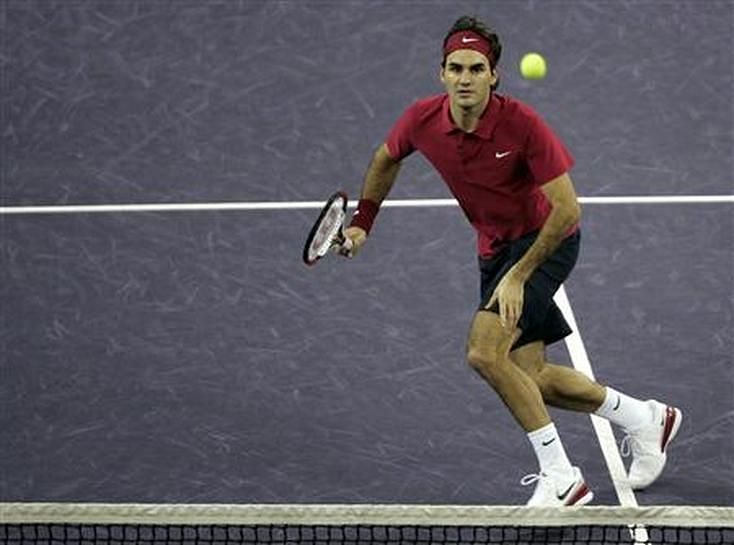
column 623, row 410
column 550, row 452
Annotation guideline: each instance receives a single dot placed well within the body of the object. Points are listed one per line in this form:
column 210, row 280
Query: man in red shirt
column 509, row 173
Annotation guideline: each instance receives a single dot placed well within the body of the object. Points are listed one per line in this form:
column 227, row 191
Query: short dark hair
column 467, row 22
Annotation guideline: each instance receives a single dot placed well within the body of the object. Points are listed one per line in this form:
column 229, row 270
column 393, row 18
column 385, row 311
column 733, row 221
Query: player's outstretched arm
column 379, row 179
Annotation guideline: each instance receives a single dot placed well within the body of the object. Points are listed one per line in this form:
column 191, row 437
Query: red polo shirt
column 494, row 172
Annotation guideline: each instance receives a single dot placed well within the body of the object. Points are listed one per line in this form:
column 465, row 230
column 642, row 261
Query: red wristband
column 365, row 215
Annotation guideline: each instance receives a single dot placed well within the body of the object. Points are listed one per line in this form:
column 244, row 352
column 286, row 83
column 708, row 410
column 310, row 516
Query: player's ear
column 494, row 76
column 441, row 72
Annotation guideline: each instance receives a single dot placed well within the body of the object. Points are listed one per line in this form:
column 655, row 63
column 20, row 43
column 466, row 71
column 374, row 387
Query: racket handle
column 347, row 244
column 342, row 244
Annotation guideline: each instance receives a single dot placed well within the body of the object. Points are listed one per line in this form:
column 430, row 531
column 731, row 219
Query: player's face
column 468, row 79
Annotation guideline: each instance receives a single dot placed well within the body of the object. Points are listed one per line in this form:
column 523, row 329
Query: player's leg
column 560, row 386
column 650, row 426
column 488, row 352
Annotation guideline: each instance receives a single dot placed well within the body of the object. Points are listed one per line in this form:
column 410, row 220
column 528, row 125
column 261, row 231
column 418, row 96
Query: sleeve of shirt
column 546, row 154
column 399, row 142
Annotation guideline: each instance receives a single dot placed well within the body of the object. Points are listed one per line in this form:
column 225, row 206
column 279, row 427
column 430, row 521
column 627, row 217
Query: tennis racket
column 328, row 231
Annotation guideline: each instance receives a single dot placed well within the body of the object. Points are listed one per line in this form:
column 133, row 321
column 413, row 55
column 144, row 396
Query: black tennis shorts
column 541, row 319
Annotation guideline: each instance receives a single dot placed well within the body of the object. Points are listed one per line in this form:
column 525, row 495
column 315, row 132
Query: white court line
column 306, row 205
column 602, row 427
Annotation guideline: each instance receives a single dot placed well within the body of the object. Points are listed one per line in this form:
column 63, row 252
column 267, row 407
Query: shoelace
column 632, row 445
column 626, row 445
column 531, row 478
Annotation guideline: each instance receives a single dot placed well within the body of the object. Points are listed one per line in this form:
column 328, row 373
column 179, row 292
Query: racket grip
column 347, row 244
column 343, row 244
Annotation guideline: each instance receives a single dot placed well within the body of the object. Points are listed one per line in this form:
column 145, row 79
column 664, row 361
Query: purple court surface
column 191, row 357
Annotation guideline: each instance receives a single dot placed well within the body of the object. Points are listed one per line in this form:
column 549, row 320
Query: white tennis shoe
column 648, row 445
column 551, row 493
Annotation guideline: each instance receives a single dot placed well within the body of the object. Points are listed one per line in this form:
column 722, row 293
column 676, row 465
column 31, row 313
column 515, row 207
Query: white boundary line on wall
column 306, row 205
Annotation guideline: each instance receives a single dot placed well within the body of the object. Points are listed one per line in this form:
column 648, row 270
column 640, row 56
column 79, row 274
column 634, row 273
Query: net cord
column 334, row 514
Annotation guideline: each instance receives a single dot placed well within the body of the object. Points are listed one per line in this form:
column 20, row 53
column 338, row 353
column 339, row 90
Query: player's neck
column 467, row 119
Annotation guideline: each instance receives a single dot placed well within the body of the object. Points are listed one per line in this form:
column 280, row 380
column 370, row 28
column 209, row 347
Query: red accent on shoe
column 668, row 427
column 580, row 493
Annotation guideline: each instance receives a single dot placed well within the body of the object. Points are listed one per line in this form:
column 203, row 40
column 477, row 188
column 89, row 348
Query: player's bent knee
column 476, row 360
column 486, row 362
column 489, row 345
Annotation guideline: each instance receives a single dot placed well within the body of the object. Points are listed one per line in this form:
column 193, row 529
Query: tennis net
column 179, row 524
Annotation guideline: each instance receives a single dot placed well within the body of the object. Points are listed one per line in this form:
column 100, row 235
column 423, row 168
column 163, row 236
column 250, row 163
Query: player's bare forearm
column 565, row 213
column 549, row 239
column 380, row 176
column 378, row 181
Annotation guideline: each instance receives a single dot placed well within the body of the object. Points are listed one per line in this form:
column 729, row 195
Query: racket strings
column 329, row 232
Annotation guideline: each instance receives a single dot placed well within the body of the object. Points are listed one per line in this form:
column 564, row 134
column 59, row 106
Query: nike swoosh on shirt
column 466, row 40
column 499, row 155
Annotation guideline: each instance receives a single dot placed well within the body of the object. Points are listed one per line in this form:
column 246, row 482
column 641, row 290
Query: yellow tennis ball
column 532, row 66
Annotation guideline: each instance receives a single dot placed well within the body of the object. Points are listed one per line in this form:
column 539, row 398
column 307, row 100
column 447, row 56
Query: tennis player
column 509, row 173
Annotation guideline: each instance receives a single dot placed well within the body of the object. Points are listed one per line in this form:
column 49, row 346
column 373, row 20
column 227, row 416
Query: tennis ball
column 532, row 66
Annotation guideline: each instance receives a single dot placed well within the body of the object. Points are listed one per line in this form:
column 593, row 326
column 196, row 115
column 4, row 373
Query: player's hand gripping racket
column 328, row 231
